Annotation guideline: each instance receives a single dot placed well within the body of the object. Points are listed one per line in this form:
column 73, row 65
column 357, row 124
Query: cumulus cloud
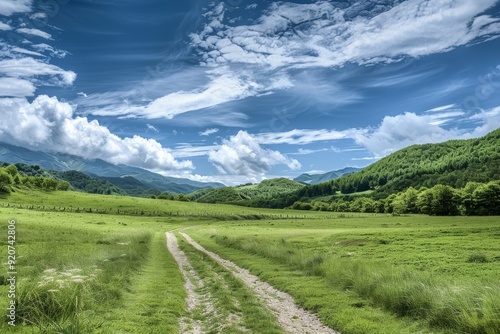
column 9, row 7
column 242, row 155
column 52, row 127
column 397, row 132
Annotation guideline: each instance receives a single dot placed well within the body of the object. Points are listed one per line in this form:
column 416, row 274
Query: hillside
column 96, row 167
column 88, row 184
column 319, row 178
column 256, row 195
column 452, row 163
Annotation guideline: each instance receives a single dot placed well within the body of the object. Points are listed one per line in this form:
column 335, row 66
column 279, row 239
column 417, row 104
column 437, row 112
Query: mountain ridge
column 99, row 168
column 324, row 177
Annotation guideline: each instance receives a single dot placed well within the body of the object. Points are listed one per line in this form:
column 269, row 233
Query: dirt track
column 290, row 317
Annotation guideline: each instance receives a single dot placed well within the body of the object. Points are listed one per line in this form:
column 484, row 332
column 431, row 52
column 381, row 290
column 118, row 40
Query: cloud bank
column 52, row 127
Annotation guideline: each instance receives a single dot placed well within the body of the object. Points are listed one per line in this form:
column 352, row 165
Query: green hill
column 88, row 184
column 256, row 195
column 452, row 163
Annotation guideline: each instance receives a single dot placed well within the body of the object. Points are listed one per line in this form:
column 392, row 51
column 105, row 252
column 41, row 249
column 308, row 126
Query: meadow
column 98, row 264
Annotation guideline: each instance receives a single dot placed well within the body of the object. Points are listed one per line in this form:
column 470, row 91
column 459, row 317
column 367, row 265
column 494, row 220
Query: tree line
column 474, row 198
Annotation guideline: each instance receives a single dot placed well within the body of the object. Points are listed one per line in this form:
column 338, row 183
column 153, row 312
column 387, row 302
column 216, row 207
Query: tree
column 63, row 185
column 12, row 170
column 49, row 184
column 486, row 199
column 444, row 201
column 6, row 181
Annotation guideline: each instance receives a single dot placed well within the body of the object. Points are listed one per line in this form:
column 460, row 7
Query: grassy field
column 98, row 264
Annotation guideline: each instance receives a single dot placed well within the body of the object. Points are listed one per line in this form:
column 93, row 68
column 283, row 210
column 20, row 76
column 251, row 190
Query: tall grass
column 469, row 307
column 64, row 297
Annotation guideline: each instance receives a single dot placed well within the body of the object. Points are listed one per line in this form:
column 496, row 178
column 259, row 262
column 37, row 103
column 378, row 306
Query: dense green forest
column 256, row 195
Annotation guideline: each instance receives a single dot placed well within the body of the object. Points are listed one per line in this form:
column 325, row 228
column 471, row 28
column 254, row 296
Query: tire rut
column 291, row 318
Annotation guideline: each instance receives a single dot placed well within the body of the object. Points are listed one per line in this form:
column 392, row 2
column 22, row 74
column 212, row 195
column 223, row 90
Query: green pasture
column 98, row 264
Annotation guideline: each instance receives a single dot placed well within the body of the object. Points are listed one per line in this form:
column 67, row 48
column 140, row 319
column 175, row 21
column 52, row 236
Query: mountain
column 100, row 168
column 319, row 178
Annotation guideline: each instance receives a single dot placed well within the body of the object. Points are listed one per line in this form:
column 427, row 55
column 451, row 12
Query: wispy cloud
column 441, row 108
column 34, row 32
column 152, row 127
column 209, row 132
column 30, row 68
column 247, row 60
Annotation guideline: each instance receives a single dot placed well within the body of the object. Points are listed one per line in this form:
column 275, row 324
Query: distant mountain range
column 319, row 178
column 124, row 177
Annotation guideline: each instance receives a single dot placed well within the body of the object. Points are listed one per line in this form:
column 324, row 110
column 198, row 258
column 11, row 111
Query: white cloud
column 489, row 120
column 318, row 34
column 152, row 127
column 305, row 136
column 42, row 47
column 32, row 68
column 9, row 7
column 188, row 151
column 446, row 107
column 242, row 155
column 397, row 132
column 13, row 87
column 34, row 32
column 27, row 52
column 52, row 127
column 4, row 26
column 224, row 88
column 209, row 132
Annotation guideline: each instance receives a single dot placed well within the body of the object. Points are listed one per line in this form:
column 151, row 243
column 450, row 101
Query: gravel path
column 291, row 318
column 192, row 282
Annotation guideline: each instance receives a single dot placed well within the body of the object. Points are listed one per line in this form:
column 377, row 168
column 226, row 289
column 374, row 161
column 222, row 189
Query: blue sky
column 237, row 91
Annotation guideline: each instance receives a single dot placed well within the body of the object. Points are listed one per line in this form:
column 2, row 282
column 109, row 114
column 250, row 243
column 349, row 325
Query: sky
column 238, row 91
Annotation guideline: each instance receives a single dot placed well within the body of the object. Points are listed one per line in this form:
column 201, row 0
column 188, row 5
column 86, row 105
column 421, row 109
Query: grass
column 75, row 269
column 155, row 298
column 415, row 268
column 104, row 266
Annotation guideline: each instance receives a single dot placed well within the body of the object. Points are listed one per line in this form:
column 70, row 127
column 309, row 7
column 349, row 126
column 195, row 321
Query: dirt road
column 290, row 317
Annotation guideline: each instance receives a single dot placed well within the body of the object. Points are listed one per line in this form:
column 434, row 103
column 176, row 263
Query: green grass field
column 98, row 264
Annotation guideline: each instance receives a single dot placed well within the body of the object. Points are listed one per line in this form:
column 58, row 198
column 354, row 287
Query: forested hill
column 451, row 163
column 256, row 195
